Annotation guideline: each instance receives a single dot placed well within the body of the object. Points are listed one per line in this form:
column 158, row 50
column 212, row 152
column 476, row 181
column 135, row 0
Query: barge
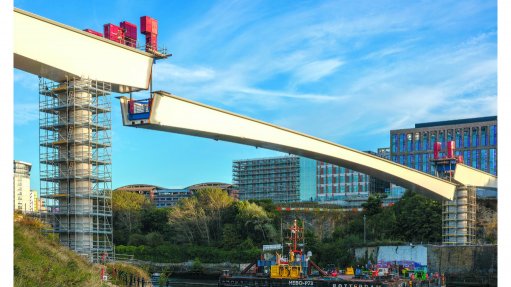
column 296, row 271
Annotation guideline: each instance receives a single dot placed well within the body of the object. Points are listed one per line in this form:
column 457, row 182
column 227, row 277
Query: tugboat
column 277, row 271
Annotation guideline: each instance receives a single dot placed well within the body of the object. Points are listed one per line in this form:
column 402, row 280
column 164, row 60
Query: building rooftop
column 456, row 122
column 22, row 162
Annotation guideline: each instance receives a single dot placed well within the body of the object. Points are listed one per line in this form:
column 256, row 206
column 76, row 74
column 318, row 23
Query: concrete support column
column 458, row 217
column 75, row 173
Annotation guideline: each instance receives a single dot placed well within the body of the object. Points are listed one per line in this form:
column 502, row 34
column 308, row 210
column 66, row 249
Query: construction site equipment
column 130, row 33
column 93, row 32
column 149, row 27
column 114, row 33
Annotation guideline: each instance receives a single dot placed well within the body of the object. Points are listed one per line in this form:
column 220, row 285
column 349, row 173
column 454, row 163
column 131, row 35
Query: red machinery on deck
column 126, row 33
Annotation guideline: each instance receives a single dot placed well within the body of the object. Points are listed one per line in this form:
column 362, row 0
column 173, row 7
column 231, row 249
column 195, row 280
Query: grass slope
column 39, row 261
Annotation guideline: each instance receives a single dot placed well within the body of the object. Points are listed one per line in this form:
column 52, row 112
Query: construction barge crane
column 277, row 270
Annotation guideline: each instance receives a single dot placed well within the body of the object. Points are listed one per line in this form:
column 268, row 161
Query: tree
column 156, row 220
column 418, row 219
column 255, row 222
column 127, row 207
column 373, row 205
column 199, row 217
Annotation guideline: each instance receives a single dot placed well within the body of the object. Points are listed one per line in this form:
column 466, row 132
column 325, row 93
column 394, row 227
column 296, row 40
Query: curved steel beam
column 174, row 114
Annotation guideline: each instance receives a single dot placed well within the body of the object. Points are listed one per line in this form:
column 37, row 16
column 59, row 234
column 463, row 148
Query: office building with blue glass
column 475, row 139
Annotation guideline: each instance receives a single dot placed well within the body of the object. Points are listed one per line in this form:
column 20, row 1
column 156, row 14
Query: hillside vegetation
column 41, row 261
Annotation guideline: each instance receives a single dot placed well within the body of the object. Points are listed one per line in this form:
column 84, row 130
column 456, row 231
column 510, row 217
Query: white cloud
column 168, row 71
column 337, row 71
column 316, row 70
column 26, row 113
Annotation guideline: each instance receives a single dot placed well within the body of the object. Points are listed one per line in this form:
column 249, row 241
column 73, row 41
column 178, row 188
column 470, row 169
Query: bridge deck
column 55, row 51
column 173, row 114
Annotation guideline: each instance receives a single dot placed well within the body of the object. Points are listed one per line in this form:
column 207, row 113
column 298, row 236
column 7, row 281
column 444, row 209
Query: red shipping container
column 451, row 146
column 437, row 147
column 130, row 29
column 151, row 42
column 93, row 32
column 460, row 159
column 148, row 25
column 113, row 32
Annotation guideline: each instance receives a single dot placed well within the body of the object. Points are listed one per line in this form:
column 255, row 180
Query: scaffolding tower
column 459, row 217
column 75, row 163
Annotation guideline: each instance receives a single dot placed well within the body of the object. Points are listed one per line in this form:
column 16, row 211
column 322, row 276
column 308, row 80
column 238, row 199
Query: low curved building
column 227, row 187
column 166, row 197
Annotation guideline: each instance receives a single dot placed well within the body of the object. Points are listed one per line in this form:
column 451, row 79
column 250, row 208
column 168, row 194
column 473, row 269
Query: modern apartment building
column 25, row 199
column 475, row 139
column 341, row 186
column 293, row 179
column 282, row 179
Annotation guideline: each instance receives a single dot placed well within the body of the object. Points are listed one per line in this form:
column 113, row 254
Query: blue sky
column 346, row 71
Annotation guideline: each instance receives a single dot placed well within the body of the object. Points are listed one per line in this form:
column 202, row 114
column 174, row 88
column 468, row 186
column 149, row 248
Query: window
column 493, row 161
column 449, row 135
column 409, row 142
column 425, row 145
column 417, row 141
column 484, row 136
column 475, row 157
column 475, row 137
column 493, row 135
column 441, row 138
column 394, row 143
column 432, row 139
column 466, row 157
column 457, row 139
column 466, row 138
column 484, row 160
column 402, row 144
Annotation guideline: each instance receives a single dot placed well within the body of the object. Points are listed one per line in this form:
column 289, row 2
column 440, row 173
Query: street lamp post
column 364, row 229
